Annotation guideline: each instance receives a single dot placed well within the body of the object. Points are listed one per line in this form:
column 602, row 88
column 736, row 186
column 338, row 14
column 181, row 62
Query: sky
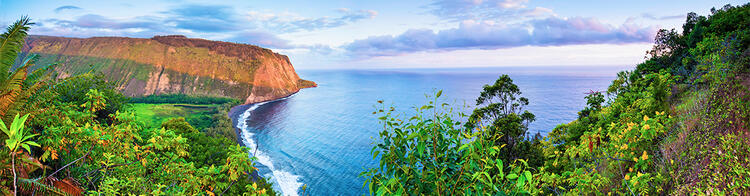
column 339, row 34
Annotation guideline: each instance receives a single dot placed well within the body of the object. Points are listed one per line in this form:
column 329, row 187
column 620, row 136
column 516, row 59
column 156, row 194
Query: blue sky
column 331, row 34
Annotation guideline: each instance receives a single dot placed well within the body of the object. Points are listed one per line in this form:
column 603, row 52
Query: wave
column 287, row 182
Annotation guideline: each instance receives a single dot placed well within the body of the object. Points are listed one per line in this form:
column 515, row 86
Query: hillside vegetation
column 80, row 135
column 676, row 125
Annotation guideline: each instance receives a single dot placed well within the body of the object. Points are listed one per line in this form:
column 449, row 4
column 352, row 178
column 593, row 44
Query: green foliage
column 123, row 156
column 645, row 140
column 10, row 44
column 16, row 137
column 612, row 149
column 183, row 98
column 83, row 126
column 594, row 101
column 75, row 90
column 432, row 153
column 212, row 119
column 16, row 85
column 501, row 111
column 677, row 124
column 676, row 52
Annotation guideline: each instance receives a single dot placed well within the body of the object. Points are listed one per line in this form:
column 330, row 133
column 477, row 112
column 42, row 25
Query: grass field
column 154, row 114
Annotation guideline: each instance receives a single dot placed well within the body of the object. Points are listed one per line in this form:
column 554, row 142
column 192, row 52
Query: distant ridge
column 174, row 64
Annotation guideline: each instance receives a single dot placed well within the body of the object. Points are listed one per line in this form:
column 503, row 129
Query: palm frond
column 10, row 44
column 12, row 92
column 68, row 185
column 39, row 74
column 36, row 186
column 7, row 107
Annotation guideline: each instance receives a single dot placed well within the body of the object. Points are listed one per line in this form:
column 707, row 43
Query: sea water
column 321, row 137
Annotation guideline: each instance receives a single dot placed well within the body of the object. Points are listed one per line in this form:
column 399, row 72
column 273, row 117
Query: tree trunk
column 13, row 164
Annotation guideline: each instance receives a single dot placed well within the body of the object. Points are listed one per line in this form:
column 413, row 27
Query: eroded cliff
column 174, row 64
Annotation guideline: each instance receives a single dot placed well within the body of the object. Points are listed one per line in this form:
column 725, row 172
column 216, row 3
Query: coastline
column 287, row 183
column 235, row 111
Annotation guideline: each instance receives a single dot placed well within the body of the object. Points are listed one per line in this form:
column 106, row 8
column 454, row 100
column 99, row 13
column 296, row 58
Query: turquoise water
column 321, row 137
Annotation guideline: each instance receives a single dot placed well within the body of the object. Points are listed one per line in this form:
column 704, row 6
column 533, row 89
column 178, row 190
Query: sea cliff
column 173, row 64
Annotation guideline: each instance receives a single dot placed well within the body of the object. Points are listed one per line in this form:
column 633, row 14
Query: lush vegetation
column 182, row 98
column 78, row 136
column 677, row 124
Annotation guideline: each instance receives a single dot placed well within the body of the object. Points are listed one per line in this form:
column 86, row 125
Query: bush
column 431, row 153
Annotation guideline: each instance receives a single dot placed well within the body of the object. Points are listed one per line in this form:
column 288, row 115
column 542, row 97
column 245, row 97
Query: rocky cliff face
column 174, row 64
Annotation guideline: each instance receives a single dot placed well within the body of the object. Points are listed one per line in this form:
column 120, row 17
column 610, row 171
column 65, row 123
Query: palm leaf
column 6, row 104
column 15, row 81
column 34, row 185
column 10, row 44
column 39, row 74
column 13, row 90
column 69, row 185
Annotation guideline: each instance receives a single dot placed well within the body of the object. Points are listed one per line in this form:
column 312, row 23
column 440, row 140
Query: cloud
column 539, row 12
column 652, row 17
column 552, row 31
column 101, row 22
column 204, row 18
column 67, row 7
column 270, row 40
column 288, row 23
column 458, row 10
column 262, row 39
column 216, row 22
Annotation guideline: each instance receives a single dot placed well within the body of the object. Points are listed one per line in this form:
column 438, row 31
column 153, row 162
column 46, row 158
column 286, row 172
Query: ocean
column 321, row 137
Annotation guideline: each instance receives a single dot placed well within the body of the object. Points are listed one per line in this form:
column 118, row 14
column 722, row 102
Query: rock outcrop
column 173, row 64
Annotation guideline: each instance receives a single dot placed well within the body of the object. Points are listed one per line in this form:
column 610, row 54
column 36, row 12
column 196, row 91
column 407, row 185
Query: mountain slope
column 173, row 64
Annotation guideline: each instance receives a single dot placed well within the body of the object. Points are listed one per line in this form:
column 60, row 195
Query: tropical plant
column 431, row 153
column 17, row 138
column 16, row 85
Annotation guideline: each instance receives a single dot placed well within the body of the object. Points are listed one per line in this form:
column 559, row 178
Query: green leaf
column 425, row 107
column 4, row 128
column 11, row 144
column 528, row 175
column 439, row 93
column 25, row 146
column 420, row 148
column 412, row 136
column 512, row 176
column 463, row 146
column 375, row 154
column 32, row 143
column 520, row 182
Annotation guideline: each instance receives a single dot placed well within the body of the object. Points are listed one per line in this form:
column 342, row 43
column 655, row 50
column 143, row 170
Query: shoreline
column 235, row 113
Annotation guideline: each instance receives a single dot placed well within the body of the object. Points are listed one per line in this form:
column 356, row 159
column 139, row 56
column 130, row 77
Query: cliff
column 173, row 64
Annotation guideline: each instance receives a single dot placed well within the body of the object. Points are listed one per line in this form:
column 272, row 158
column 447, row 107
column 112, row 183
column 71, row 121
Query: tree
column 431, row 153
column 504, row 116
column 17, row 85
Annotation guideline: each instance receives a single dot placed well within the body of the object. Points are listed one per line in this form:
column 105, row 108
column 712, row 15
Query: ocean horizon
column 321, row 137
